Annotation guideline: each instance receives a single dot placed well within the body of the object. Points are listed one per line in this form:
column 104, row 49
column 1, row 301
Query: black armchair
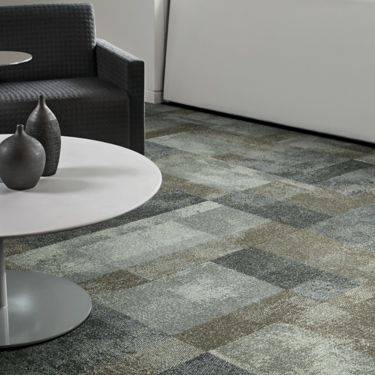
column 95, row 89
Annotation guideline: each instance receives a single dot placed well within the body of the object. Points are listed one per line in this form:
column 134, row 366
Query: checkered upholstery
column 127, row 72
column 95, row 89
column 85, row 107
column 61, row 39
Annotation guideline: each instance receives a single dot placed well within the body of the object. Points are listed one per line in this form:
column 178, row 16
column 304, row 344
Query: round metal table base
column 40, row 308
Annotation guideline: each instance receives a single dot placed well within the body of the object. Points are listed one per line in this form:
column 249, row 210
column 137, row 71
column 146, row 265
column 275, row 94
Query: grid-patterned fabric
column 126, row 72
column 85, row 107
column 61, row 38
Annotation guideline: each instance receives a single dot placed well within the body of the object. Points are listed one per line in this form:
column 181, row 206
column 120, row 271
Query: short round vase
column 42, row 124
column 22, row 160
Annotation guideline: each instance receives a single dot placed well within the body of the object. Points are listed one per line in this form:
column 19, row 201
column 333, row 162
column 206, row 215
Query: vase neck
column 42, row 100
column 19, row 130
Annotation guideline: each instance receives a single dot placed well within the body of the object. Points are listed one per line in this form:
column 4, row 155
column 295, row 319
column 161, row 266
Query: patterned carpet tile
column 274, row 201
column 209, row 251
column 286, row 273
column 110, row 282
column 260, row 196
column 206, row 364
column 214, row 173
column 262, row 134
column 223, row 221
column 332, row 171
column 106, row 337
column 324, row 253
column 329, row 203
column 104, row 254
column 370, row 158
column 324, row 287
column 152, row 109
column 82, row 258
column 158, row 126
column 351, row 322
column 189, row 257
column 285, row 306
column 167, row 199
column 200, row 117
column 356, row 227
column 190, row 297
column 289, row 214
column 256, row 257
column 288, row 349
column 206, row 142
column 86, row 256
column 352, row 183
column 155, row 151
column 285, row 161
column 325, row 144
column 152, row 359
column 198, row 190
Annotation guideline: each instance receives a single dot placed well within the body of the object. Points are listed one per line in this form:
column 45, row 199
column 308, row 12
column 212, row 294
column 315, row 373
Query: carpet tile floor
column 256, row 257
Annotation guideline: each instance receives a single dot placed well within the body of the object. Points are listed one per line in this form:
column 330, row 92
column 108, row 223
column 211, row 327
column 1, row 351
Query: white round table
column 14, row 57
column 95, row 181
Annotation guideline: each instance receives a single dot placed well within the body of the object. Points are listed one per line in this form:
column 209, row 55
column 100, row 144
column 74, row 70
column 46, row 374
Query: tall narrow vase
column 42, row 124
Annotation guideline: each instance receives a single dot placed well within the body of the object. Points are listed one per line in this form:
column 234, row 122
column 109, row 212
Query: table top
column 95, row 181
column 14, row 57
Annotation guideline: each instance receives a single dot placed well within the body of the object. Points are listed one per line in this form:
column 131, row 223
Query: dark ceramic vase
column 22, row 160
column 42, row 124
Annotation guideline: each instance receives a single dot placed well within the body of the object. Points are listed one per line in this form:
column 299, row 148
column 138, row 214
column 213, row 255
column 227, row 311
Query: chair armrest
column 120, row 68
column 128, row 73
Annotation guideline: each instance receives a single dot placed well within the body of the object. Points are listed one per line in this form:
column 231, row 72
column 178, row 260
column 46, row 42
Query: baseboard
column 153, row 97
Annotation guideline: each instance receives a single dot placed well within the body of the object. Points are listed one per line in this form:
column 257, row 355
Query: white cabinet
column 304, row 63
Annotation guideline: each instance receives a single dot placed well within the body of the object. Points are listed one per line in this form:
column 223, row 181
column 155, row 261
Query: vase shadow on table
column 52, row 185
column 76, row 179
column 95, row 171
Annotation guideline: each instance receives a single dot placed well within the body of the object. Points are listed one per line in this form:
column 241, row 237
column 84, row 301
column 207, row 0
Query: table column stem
column 3, row 278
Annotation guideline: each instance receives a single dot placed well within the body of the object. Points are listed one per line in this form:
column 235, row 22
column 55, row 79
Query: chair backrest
column 61, row 38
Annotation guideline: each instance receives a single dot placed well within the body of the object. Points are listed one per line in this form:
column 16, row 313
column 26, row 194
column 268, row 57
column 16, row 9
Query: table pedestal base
column 39, row 308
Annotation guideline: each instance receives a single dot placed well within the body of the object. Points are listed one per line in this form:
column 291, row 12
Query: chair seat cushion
column 85, row 107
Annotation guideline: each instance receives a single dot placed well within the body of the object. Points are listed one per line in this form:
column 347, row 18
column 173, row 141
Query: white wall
column 137, row 26
column 160, row 42
column 304, row 63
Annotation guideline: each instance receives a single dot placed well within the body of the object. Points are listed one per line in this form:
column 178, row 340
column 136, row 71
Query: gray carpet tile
column 290, row 214
column 256, row 257
column 286, row 161
column 284, row 272
column 323, row 253
column 165, row 200
column 255, row 198
column 352, row 183
column 106, row 336
column 355, row 227
column 325, row 287
column 288, row 349
column 285, row 306
column 346, row 317
column 273, row 201
column 331, row 171
column 325, row 144
column 369, row 158
column 213, row 173
column 206, row 364
column 154, row 151
column 157, row 126
column 190, row 297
